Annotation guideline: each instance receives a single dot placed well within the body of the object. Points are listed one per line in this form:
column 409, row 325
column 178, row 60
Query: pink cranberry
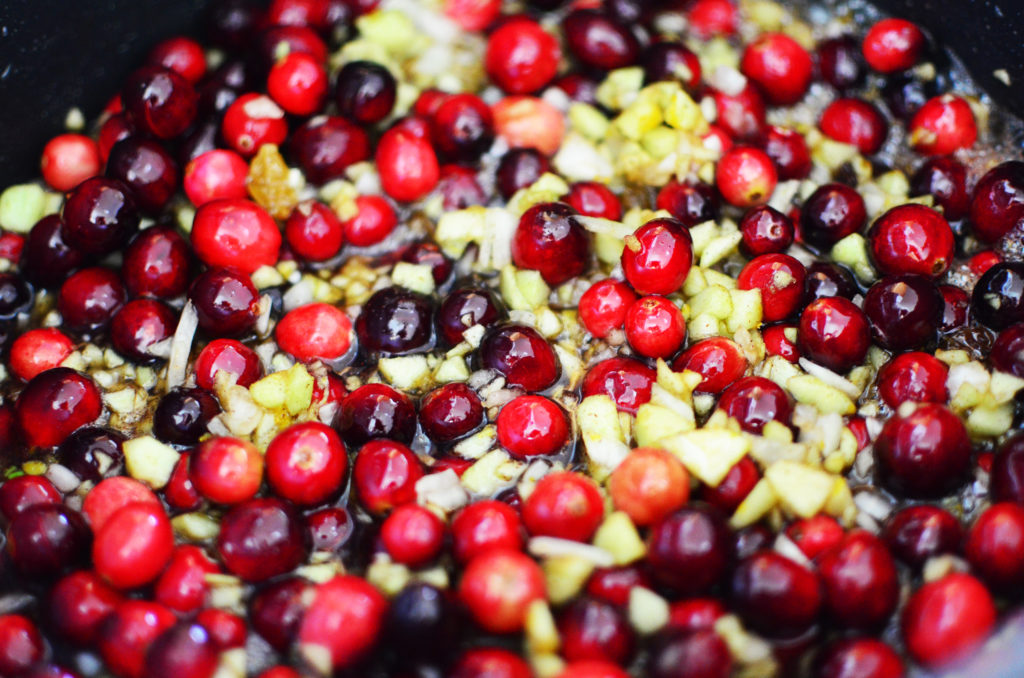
column 68, row 160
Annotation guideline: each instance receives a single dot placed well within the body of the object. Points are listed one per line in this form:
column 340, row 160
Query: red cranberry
column 625, row 380
column 754, row 401
column 114, row 129
column 68, row 160
column 112, row 494
column 998, row 201
column 855, row 122
column 695, row 614
column 227, row 355
column 182, row 55
column 578, row 87
column 735, row 487
column 44, row 540
column 564, row 505
column 658, row 256
column 298, row 83
column 1007, row 479
column 943, row 125
column 916, row 533
column 995, row 546
column 429, row 254
column 329, row 529
column 521, row 56
column 235, row 233
column 484, row 662
column 365, row 92
column 745, row 176
column 133, row 545
column 159, row 101
column 826, row 279
column 982, row 261
column 407, row 164
column 22, row 492
column 412, row 535
column 251, row 121
column 690, row 550
column 893, row 45
column 146, row 169
column 306, row 463
column 182, row 586
column 691, row 203
column 532, row 425
column 472, row 15
column 648, row 485
column 998, row 297
column 21, row 645
column 833, row 212
column 485, row 525
column 904, row 311
column 315, row 332
column 39, row 350
column 779, row 66
column 780, row 340
column 276, row 611
column 498, row 586
column 460, row 188
column 948, row 619
column 602, row 308
column 955, row 305
column 667, row 60
column 227, row 470
column 179, row 492
column 373, row 221
column 78, row 604
column 47, row 258
column 156, row 263
column 775, row 596
column 550, row 240
column 395, row 321
column 718, row 360
column 599, row 41
column 54, row 404
column 945, row 179
column 655, row 327
column 183, row 650
column 765, row 230
column 594, row 199
column 817, row 535
column 314, row 232
column 742, row 116
column 709, row 18
column 915, row 377
column 260, row 539
column 99, row 216
column 324, row 147
column 478, row 303
column 614, row 584
column 462, row 127
column 839, row 62
column 860, row 581
column 701, row 654
column 780, row 279
column 214, row 175
column 521, row 355
column 140, row 324
column 376, row 411
column 127, row 634
column 858, row 658
column 519, row 168
column 385, row 475
column 89, row 299
column 593, row 629
column 788, row 151
column 834, row 332
column 924, row 454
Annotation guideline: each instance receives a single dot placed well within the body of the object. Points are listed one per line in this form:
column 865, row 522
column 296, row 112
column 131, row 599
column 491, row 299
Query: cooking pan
column 55, row 54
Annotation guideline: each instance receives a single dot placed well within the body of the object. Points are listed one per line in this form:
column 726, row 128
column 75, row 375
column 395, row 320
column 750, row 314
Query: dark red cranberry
column 146, row 169
column 690, row 203
column 376, row 411
column 775, row 596
column 485, row 662
column 594, row 199
column 99, row 216
column 423, row 621
column 521, row 56
column 718, row 360
column 742, row 116
column 916, row 533
column 92, row 452
column 22, row 492
column 998, row 201
column 465, row 307
column 579, row 87
column 365, row 91
column 924, row 454
column 276, row 40
column 521, row 355
column 201, row 139
column 180, row 54
column 998, row 297
column 947, row 619
column 995, row 547
column 462, row 127
column 519, row 168
column 231, row 23
column 15, row 296
column 945, row 179
column 183, row 650
column 788, row 150
column 460, row 187
column 855, row 122
column 915, row 377
column 690, row 550
column 1007, row 475
column 625, row 380
column 159, row 101
column 54, row 404
column 47, row 257
column 904, row 94
column 780, row 279
column 140, row 324
column 912, row 239
column 860, row 582
column 826, row 279
column 89, row 299
column 701, row 654
column 156, row 263
column 47, row 539
column 956, row 304
column 430, row 254
column 325, row 147
column 77, row 605
column 833, row 212
column 754, row 401
column 226, row 302
column 599, row 41
column 395, row 321
column 114, row 129
column 261, row 538
column 276, row 611
column 613, row 584
column 840, row 63
column 735, row 487
column 595, row 630
column 127, row 633
column 671, row 61
column 329, row 529
column 858, row 658
column 551, row 241
column 450, row 412
column 765, row 230
column 182, row 415
column 904, row 311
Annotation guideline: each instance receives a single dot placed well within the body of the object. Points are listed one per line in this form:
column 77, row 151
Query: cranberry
column 429, row 254
column 834, row 332
column 625, row 380
column 373, row 221
column 133, row 545
column 519, row 168
column 112, row 494
column 227, row 470
column 860, row 582
column 718, row 360
column 77, row 605
column 947, row 619
column 21, row 644
column 893, row 45
column 529, row 122
column 306, row 463
column 855, row 122
column 47, row 257
column 995, row 546
column 924, row 454
column 140, row 324
column 788, row 151
column 655, row 327
column 68, row 160
column 904, row 311
column 276, row 611
column 779, row 66
column 472, row 15
column 159, row 101
column 232, row 23
column 839, row 62
column 89, row 299
column 521, row 355
column 916, row 377
column 658, row 256
column 780, row 340
column 595, row 630
column 945, row 179
column 649, row 485
column 998, row 297
column 780, row 279
column 314, row 232
column 735, row 487
column 156, row 263
column 916, row 533
column 462, row 127
column 564, row 505
column 183, row 650
column 833, row 212
column 742, row 116
column 230, row 356
column 114, row 129
column 912, row 239
column 521, row 56
column 465, row 307
column 599, row 41
column 695, row 614
column 532, row 425
column 395, row 321
column 376, row 411
column 614, row 584
column 127, row 634
column 407, row 164
column 754, row 401
column 23, row 492
column 943, row 125
column 1007, row 475
column 182, row 585
column 412, row 535
column 765, row 230
column 602, row 308
column 182, row 55
column 315, row 332
column 578, row 87
column 148, row 171
column 550, row 240
column 745, row 176
column 484, row 662
column 260, row 539
column 775, row 596
column 235, row 233
column 385, row 475
column 54, row 404
column 329, row 529
column 982, row 261
column 215, row 175
column 460, row 188
column 671, row 61
column 904, row 94
column 324, row 147
column 498, row 586
column 298, row 83
column 690, row 550
column 422, row 620
column 251, row 121
column 365, row 92
column 998, row 201
column 179, row 492
column 818, row 535
column 701, row 654
column 594, row 199
column 39, row 350
column 99, row 216
column 690, row 203
column 709, row 18
column 858, row 658
column 44, row 540
column 825, row 279
column 485, row 525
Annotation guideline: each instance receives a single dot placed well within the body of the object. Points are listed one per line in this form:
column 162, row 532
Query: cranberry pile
column 472, row 339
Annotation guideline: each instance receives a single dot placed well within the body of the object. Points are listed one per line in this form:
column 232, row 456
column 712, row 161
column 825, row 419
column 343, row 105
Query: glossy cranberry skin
column 460, row 188
column 1007, row 475
column 627, row 381
column 594, row 629
column 765, row 230
column 658, row 257
column 260, row 539
column 741, row 116
column 384, row 475
column 551, row 241
column 599, row 41
column 479, row 303
column 521, row 355
column 916, row 533
column 68, row 160
column 146, row 169
column 429, row 254
column 775, row 596
column 449, row 412
column 54, row 404
column 655, row 327
column 412, row 535
column 947, row 619
column 395, row 321
column 998, row 297
column 718, row 360
column 235, row 233
column 22, row 492
column 593, row 199
column 21, row 645
column 690, row 550
column 47, row 257
column 690, row 203
column 373, row 221
column 893, row 45
column 788, row 150
column 275, row 611
column 780, row 279
column 156, row 263
column 316, row 331
column 925, row 454
column 603, row 306
column 834, row 332
column 183, row 650
column 998, row 201
column 916, row 377
column 700, row 654
column 484, row 525
column 159, row 101
column 754, row 401
column 780, row 67
column 376, row 411
column 226, row 470
column 462, row 127
column 995, row 546
column 100, row 215
column 777, row 341
column 840, row 63
column 564, row 505
column 92, row 452
column 365, row 92
column 314, row 232
column 306, row 463
column 45, row 540
column 16, row 296
column 861, row 587
column 180, row 54
column 944, row 124
column 498, row 586
column 138, row 325
column 519, row 168
column 77, row 605
column 521, row 56
column 745, row 176
column 532, row 425
column 825, row 279
column 329, row 529
column 904, row 311
column 227, row 355
column 945, row 179
column 855, row 122
column 89, row 299
column 858, row 658
column 133, row 545
column 734, row 488
column 127, row 633
column 833, row 212
column 668, row 60
column 182, row 585
column 912, row 239
column 324, row 147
